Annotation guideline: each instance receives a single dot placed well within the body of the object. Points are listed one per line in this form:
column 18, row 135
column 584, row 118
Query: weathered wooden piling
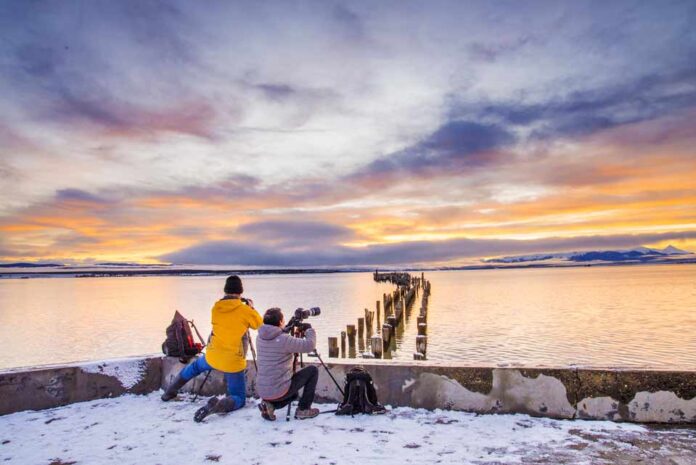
column 361, row 335
column 350, row 332
column 333, row 347
column 343, row 344
column 377, row 338
column 386, row 334
column 400, row 279
column 422, row 344
column 377, row 347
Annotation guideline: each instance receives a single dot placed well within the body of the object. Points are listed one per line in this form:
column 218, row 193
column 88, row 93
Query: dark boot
column 173, row 388
column 214, row 405
column 206, row 410
column 224, row 405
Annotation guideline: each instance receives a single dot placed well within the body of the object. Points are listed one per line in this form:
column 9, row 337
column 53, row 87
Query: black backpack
column 179, row 342
column 359, row 394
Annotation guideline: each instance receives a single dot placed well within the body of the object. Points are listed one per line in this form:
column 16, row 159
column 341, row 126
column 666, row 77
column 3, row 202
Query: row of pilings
column 375, row 334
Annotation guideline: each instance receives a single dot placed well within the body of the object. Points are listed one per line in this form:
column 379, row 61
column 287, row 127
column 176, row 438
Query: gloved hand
column 305, row 326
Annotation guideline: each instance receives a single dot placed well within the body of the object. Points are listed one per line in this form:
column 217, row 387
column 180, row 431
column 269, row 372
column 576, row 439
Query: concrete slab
column 52, row 386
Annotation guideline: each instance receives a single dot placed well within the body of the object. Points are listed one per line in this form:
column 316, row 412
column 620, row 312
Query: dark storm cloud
column 350, row 25
column 71, row 195
column 457, row 145
column 65, row 63
column 296, row 232
column 492, row 51
column 276, row 91
column 247, row 253
column 587, row 111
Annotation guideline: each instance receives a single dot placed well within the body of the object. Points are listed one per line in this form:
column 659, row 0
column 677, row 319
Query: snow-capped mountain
column 641, row 254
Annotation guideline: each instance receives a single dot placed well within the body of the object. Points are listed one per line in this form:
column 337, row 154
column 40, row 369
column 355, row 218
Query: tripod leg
column 287, row 415
column 330, row 374
column 201, row 387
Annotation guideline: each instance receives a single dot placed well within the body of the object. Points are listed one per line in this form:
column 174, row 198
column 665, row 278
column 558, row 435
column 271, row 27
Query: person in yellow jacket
column 232, row 317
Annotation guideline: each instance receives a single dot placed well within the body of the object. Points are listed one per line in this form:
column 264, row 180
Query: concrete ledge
column 52, row 386
column 645, row 396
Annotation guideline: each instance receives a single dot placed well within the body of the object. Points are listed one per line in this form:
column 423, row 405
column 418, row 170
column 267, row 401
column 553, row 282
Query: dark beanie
column 233, row 285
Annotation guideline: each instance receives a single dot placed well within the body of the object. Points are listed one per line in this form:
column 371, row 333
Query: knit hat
column 233, row 285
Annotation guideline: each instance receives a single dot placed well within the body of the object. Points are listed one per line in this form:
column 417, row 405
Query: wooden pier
column 377, row 331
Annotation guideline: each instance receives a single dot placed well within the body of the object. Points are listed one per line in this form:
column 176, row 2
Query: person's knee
column 187, row 373
column 313, row 373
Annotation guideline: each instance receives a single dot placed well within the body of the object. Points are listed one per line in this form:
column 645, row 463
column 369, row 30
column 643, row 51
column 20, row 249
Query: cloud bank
column 317, row 132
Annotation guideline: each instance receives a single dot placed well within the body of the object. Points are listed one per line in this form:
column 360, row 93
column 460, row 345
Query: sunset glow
column 330, row 134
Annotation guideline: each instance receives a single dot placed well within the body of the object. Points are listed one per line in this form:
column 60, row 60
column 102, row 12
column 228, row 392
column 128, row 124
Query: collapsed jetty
column 373, row 339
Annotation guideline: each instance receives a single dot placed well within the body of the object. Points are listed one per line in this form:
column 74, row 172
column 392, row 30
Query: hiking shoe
column 173, row 389
column 267, row 411
column 306, row 413
column 206, row 410
column 224, row 405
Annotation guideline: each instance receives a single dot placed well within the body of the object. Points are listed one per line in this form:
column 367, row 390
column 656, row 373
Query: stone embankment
column 644, row 396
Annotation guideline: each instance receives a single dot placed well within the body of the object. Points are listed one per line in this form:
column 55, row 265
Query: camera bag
column 359, row 395
column 179, row 341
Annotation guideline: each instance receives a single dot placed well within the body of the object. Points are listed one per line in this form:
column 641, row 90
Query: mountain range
column 638, row 254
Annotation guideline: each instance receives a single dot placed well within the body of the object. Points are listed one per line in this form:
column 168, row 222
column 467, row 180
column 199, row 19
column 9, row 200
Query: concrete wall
column 609, row 394
column 648, row 396
column 53, row 386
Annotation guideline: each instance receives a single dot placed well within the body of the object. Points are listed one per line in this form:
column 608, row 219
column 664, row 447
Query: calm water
column 639, row 316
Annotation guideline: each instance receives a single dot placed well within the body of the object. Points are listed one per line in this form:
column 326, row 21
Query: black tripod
column 297, row 332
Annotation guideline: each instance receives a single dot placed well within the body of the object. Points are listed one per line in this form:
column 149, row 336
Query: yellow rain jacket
column 231, row 319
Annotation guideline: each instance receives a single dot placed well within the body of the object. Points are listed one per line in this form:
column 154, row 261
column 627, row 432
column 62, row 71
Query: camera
column 302, row 314
column 296, row 321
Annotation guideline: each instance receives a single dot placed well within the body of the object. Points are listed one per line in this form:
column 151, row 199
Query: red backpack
column 179, row 342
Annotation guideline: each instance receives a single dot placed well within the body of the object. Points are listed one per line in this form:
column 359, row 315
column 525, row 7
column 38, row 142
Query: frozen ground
column 143, row 430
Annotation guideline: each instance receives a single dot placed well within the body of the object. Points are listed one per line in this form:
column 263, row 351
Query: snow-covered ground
column 143, row 430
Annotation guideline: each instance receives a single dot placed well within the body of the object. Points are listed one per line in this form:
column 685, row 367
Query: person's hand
column 305, row 326
column 250, row 303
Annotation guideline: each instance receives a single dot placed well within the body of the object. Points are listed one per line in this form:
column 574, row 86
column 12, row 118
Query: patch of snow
column 671, row 250
column 129, row 372
column 407, row 384
column 143, row 430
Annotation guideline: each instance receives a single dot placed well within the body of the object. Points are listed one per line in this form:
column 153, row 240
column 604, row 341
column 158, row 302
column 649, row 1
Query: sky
column 321, row 133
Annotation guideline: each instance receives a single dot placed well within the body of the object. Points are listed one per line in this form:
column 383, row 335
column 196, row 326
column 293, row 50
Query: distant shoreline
column 91, row 273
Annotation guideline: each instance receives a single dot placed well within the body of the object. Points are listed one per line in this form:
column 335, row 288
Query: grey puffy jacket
column 275, row 353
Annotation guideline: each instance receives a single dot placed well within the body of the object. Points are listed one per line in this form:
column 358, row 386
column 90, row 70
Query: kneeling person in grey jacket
column 275, row 382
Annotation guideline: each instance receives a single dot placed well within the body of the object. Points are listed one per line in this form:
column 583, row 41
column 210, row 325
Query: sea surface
column 618, row 316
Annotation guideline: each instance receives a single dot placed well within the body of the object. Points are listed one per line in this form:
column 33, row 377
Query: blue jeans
column 236, row 382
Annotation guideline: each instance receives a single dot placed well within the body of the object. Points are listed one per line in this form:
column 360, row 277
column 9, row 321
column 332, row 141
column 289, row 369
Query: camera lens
column 302, row 314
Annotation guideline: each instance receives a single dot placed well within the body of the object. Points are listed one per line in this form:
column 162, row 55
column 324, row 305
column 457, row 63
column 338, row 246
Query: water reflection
column 613, row 316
